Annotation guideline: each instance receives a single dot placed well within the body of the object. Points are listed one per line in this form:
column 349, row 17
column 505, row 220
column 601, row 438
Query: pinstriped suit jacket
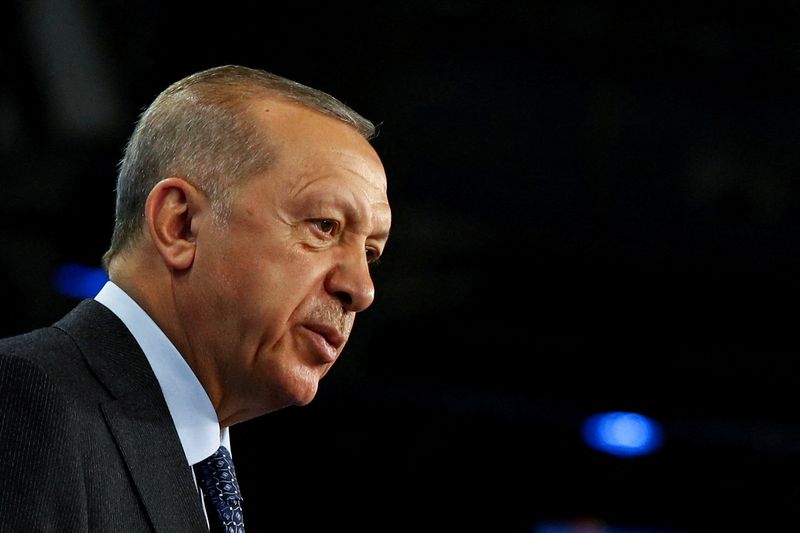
column 87, row 441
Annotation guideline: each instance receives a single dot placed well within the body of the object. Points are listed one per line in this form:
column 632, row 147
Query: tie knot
column 217, row 478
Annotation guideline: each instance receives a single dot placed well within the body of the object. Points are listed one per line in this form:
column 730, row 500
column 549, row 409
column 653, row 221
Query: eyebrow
column 350, row 208
column 382, row 236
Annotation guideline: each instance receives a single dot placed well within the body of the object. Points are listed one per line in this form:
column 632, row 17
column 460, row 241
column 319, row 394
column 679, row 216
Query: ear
column 171, row 211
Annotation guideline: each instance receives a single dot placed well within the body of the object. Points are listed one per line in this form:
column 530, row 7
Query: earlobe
column 171, row 206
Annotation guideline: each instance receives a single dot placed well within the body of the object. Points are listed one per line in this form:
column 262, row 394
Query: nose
column 351, row 283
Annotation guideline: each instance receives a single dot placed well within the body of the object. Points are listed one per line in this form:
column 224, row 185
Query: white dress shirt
column 188, row 403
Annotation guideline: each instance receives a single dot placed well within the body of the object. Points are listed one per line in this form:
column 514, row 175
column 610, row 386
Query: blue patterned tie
column 217, row 478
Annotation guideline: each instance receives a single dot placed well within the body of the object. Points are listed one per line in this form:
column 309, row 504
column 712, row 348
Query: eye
column 326, row 226
column 373, row 257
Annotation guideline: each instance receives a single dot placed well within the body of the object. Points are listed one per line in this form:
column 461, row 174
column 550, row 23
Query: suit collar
column 138, row 418
column 192, row 412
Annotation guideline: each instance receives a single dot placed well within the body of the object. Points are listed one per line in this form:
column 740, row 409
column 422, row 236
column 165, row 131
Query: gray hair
column 199, row 128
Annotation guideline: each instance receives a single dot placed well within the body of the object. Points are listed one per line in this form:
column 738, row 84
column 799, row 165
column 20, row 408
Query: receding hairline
column 205, row 125
column 243, row 85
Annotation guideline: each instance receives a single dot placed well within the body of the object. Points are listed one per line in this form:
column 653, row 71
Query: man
column 249, row 209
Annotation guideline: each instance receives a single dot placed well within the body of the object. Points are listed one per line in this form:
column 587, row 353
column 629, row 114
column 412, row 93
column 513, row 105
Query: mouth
column 326, row 341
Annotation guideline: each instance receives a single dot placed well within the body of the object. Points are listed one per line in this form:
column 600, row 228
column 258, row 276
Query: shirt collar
column 192, row 411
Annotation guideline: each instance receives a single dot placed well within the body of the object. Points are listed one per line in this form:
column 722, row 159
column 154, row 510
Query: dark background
column 595, row 208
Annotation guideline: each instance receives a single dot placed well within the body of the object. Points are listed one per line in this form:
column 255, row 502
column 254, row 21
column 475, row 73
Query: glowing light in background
column 622, row 433
column 592, row 526
column 78, row 281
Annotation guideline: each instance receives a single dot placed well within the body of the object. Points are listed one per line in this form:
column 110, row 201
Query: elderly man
column 249, row 210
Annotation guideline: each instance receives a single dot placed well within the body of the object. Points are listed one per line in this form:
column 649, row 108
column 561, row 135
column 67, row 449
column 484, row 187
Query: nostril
column 345, row 298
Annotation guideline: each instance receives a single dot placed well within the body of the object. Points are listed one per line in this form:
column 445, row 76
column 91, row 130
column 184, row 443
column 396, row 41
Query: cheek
column 269, row 290
column 267, row 286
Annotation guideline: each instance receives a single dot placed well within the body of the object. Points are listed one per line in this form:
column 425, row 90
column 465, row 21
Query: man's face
column 275, row 292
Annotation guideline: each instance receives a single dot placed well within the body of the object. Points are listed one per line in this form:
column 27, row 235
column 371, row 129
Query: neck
column 151, row 285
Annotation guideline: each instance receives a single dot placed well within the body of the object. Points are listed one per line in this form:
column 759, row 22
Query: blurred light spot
column 573, row 526
column 623, row 434
column 593, row 526
column 79, row 281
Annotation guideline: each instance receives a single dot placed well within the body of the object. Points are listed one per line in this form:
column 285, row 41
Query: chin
column 305, row 398
column 302, row 389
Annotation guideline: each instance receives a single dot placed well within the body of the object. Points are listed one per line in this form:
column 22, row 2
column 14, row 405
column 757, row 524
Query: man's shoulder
column 87, row 314
column 50, row 351
column 35, row 343
column 31, row 368
column 45, row 356
column 50, row 355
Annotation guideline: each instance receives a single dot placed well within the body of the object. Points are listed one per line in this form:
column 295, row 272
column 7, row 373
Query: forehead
column 319, row 159
column 302, row 137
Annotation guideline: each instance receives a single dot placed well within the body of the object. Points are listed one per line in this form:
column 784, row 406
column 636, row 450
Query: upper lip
column 330, row 333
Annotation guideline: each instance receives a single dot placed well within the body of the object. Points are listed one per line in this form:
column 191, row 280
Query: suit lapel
column 138, row 418
column 159, row 471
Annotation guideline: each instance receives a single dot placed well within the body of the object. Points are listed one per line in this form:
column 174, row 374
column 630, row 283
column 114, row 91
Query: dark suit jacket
column 86, row 439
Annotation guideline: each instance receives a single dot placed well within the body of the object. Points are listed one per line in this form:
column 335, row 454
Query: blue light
column 78, row 281
column 623, row 434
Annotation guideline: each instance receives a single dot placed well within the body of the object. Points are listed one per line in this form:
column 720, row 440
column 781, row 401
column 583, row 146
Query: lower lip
column 322, row 347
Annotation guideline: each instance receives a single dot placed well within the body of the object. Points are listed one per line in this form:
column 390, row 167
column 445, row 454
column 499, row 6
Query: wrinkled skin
column 261, row 307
